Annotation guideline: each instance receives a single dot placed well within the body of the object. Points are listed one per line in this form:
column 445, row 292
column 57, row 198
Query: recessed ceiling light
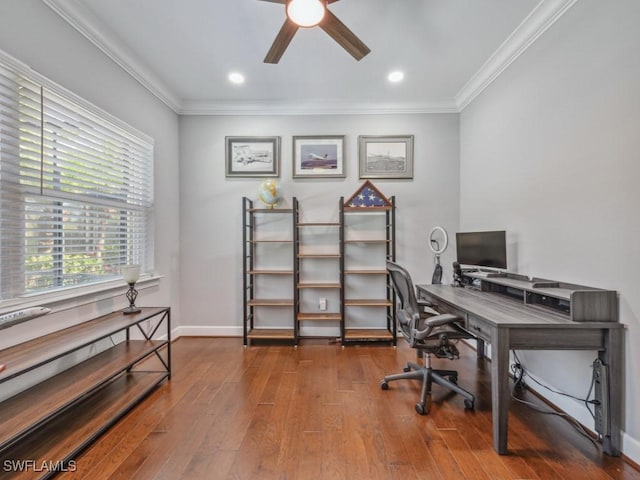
column 236, row 78
column 395, row 76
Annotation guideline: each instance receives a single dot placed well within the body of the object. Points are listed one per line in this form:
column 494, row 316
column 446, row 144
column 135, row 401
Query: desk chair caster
column 423, row 408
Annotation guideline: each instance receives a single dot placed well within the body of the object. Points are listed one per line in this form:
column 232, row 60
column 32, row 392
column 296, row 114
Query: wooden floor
column 317, row 412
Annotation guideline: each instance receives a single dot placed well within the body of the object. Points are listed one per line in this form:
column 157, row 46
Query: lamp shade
column 305, row 13
column 130, row 273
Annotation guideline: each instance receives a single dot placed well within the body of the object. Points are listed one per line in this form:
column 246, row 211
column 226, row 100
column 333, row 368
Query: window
column 76, row 189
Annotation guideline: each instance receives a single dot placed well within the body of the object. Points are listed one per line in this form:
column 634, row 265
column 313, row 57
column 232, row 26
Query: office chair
column 429, row 333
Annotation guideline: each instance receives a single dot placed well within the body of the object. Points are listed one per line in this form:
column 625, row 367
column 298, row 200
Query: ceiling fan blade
column 281, row 42
column 345, row 37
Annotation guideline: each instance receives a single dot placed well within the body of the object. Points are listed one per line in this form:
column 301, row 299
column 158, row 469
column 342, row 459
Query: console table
column 51, row 422
column 512, row 311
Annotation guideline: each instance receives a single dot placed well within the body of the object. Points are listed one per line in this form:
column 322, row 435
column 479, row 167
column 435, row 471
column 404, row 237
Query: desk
column 508, row 323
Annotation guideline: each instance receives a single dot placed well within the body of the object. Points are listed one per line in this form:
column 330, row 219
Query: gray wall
column 211, row 213
column 54, row 49
column 549, row 152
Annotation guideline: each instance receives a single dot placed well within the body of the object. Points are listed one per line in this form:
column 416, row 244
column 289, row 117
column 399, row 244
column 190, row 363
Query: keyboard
column 482, row 274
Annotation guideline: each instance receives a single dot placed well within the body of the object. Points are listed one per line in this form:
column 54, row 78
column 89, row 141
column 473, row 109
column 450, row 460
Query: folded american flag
column 367, row 196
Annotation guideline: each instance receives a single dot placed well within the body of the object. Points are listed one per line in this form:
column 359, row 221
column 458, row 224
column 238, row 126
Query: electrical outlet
column 322, row 304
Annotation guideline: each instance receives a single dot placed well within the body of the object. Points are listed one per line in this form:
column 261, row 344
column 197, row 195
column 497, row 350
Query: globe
column 269, row 193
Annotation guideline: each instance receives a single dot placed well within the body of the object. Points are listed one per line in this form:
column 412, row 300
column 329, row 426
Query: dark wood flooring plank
column 274, row 411
column 125, row 438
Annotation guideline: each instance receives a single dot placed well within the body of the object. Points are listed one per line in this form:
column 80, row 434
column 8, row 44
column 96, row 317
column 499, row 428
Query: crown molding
column 314, row 107
column 79, row 17
column 535, row 24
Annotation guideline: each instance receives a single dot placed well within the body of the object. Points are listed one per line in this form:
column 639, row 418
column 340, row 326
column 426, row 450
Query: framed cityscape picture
column 318, row 156
column 385, row 156
column 252, row 156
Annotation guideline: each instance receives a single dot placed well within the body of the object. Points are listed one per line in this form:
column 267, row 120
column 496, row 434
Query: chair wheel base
column 384, row 385
column 469, row 404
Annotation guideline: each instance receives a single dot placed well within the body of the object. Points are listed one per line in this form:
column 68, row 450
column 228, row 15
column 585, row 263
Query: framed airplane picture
column 252, row 156
column 318, row 156
column 386, row 156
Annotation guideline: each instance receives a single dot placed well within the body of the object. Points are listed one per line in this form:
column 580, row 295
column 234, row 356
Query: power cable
column 519, row 386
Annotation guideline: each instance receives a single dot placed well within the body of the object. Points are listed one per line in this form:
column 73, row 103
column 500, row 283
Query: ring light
column 434, row 245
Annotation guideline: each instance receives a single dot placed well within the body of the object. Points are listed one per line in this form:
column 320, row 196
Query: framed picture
column 386, row 156
column 252, row 156
column 318, row 156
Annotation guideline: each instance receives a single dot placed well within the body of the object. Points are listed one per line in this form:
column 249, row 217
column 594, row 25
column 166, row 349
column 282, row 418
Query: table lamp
column 131, row 274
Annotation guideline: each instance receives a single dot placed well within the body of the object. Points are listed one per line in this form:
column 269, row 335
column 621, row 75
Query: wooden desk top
column 501, row 310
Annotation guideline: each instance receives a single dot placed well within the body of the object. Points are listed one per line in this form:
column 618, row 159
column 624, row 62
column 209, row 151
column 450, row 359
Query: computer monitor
column 482, row 249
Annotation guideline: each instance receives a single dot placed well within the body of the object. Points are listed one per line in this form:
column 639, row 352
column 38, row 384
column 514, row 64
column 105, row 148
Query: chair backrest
column 405, row 291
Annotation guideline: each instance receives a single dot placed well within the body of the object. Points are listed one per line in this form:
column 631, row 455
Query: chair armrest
column 432, row 322
column 442, row 320
column 427, row 307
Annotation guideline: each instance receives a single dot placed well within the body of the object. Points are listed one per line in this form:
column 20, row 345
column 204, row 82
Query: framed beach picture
column 318, row 156
column 385, row 156
column 252, row 156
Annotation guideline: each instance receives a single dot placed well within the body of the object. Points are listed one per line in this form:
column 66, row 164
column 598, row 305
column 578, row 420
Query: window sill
column 78, row 296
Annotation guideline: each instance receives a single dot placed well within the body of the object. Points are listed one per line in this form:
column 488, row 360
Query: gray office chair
column 429, row 333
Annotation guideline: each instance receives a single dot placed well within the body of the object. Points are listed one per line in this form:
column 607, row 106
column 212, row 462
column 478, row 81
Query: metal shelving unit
column 304, row 254
column 253, row 301
column 369, row 251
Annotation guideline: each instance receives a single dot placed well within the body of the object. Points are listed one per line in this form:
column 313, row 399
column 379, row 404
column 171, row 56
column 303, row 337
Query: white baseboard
column 631, row 448
column 205, row 331
column 209, row 331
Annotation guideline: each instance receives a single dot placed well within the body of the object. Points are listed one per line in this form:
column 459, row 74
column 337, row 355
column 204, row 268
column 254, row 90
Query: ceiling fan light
column 305, row 13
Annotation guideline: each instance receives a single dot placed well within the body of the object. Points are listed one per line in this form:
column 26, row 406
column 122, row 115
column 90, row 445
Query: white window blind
column 76, row 190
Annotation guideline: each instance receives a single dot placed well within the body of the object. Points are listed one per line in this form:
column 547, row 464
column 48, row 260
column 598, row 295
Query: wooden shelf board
column 65, row 436
column 368, row 334
column 271, row 241
column 270, row 272
column 319, row 316
column 270, row 210
column 29, row 409
column 271, row 333
column 365, row 272
column 318, row 224
column 318, row 285
column 381, row 241
column 366, row 209
column 271, row 302
column 33, row 353
column 366, row 302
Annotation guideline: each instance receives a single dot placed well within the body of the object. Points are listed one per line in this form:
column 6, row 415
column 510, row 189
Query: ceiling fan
column 298, row 12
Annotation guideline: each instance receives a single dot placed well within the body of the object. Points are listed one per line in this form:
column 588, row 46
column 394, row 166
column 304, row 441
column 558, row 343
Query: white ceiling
column 183, row 50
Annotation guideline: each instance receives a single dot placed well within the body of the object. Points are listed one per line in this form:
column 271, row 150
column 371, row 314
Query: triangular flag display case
column 368, row 241
column 368, row 196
